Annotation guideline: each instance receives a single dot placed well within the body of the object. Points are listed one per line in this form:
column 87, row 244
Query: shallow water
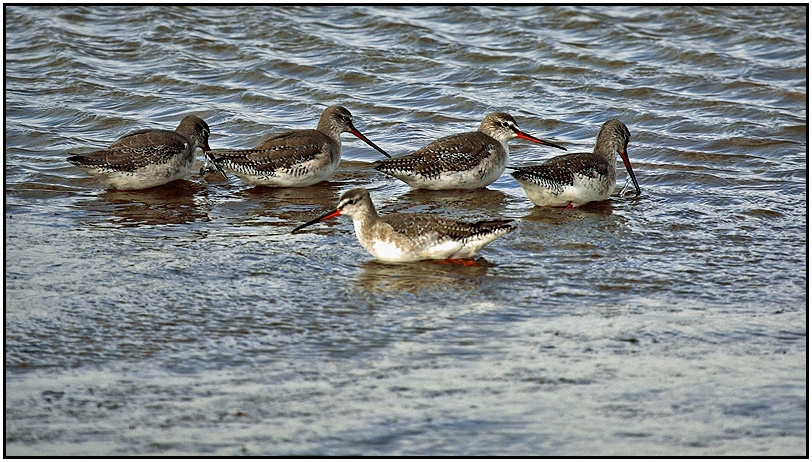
column 186, row 319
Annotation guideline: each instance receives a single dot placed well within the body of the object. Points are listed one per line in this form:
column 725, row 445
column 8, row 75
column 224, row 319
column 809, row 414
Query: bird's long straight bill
column 628, row 165
column 326, row 216
column 525, row 136
column 366, row 140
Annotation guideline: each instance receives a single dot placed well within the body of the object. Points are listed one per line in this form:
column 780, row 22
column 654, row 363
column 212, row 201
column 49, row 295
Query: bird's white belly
column 145, row 177
column 584, row 190
column 393, row 251
column 389, row 252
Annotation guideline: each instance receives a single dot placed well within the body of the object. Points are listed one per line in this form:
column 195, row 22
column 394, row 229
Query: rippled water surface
column 186, row 319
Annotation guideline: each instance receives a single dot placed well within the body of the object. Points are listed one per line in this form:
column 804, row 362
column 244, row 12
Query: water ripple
column 189, row 308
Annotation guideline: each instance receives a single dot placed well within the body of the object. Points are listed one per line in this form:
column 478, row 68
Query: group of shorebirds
column 297, row 158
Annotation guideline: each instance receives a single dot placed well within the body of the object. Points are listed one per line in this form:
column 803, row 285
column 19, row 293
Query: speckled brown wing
column 418, row 226
column 135, row 150
column 283, row 151
column 450, row 154
column 560, row 171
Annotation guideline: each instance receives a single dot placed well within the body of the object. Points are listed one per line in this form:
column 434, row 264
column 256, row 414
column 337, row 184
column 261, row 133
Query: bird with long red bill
column 408, row 237
column 294, row 158
column 464, row 161
column 572, row 180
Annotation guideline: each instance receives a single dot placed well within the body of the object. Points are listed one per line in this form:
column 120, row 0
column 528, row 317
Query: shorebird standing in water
column 147, row 158
column 294, row 158
column 408, row 237
column 573, row 180
column 465, row 161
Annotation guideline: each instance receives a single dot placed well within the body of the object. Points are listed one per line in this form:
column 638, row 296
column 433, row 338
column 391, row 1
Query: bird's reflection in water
column 321, row 193
column 288, row 206
column 560, row 215
column 172, row 203
column 477, row 200
column 419, row 276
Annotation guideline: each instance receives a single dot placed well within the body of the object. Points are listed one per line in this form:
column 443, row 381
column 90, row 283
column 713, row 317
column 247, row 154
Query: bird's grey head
column 197, row 130
column 613, row 138
column 336, row 119
column 503, row 127
column 355, row 201
column 500, row 125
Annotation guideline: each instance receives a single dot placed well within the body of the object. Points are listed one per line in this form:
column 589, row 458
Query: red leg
column 454, row 261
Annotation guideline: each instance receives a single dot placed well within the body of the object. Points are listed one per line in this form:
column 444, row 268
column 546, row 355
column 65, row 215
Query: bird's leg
column 625, row 186
column 207, row 166
column 456, row 261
